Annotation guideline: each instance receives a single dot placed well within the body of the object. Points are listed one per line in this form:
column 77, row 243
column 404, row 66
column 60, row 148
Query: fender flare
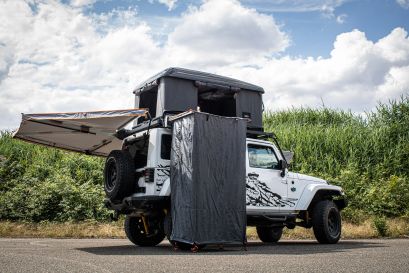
column 315, row 192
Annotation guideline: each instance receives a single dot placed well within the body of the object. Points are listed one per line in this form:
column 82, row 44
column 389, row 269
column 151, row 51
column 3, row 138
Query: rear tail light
column 149, row 175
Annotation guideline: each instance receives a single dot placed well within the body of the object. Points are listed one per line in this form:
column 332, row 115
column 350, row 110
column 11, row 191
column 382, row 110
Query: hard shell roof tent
column 179, row 89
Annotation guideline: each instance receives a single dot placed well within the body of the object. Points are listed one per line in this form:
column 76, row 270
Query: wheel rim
column 112, row 174
column 140, row 229
column 333, row 223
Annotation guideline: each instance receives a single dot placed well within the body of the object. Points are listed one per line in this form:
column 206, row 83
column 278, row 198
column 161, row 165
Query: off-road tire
column 269, row 234
column 119, row 175
column 135, row 231
column 326, row 222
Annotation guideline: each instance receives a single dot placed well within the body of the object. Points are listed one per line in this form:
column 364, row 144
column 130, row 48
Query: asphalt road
column 114, row 255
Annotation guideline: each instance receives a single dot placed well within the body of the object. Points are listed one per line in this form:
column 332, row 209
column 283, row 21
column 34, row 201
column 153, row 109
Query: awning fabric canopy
column 86, row 132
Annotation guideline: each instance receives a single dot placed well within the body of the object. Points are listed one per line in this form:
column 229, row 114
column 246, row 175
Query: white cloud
column 341, row 18
column 403, row 3
column 326, row 6
column 169, row 3
column 56, row 58
column 81, row 3
column 358, row 73
column 328, row 10
column 223, row 31
column 6, row 59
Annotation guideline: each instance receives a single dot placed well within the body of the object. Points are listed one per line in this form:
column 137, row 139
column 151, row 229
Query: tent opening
column 218, row 103
column 148, row 99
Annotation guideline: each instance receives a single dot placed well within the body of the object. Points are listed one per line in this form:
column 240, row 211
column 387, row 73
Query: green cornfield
column 44, row 184
column 367, row 154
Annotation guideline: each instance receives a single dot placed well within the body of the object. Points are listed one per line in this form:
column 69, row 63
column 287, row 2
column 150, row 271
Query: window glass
column 262, row 157
column 165, row 148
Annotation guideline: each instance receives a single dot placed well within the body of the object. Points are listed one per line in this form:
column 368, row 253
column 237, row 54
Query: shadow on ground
column 253, row 248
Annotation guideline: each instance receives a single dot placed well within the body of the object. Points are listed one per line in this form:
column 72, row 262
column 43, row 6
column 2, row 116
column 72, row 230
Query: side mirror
column 282, row 164
column 288, row 155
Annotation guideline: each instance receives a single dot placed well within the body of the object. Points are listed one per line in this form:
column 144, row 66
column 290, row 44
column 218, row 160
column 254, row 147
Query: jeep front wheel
column 269, row 234
column 326, row 222
column 144, row 231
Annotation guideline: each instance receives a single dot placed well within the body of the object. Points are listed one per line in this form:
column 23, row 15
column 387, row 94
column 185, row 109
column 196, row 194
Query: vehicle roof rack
column 158, row 122
column 260, row 134
column 161, row 121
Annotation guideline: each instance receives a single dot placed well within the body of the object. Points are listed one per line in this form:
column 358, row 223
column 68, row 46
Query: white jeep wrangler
column 275, row 197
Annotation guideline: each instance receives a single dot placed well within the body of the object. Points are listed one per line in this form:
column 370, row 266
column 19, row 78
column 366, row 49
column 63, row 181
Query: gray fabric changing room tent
column 208, row 181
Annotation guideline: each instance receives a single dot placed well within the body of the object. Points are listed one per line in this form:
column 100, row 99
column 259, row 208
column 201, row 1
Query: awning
column 86, row 132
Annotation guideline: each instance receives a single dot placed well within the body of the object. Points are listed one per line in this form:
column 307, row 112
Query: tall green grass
column 368, row 155
column 45, row 184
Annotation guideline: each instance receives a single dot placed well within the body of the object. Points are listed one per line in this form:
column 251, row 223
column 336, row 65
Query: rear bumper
column 133, row 203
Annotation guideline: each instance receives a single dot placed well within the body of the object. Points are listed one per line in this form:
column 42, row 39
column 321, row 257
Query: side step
column 287, row 220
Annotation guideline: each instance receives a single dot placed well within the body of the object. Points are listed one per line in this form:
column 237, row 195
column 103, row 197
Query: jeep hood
column 86, row 132
column 309, row 178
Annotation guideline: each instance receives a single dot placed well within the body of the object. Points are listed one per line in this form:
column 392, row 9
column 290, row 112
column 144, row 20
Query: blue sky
column 313, row 33
column 312, row 28
column 80, row 55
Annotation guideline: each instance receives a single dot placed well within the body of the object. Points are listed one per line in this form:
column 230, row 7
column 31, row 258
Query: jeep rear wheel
column 149, row 233
column 119, row 175
column 269, row 234
column 326, row 222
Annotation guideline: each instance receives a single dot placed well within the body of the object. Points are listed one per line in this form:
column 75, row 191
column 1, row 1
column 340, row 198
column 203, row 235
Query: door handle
column 253, row 174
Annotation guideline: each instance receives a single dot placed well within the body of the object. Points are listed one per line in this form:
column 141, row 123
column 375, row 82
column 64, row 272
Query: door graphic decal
column 259, row 194
column 162, row 173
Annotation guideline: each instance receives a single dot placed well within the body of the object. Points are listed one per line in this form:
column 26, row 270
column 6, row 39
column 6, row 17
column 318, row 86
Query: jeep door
column 266, row 189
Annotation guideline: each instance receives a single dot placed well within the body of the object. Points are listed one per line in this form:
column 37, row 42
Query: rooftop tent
column 208, row 179
column 178, row 89
column 86, row 132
